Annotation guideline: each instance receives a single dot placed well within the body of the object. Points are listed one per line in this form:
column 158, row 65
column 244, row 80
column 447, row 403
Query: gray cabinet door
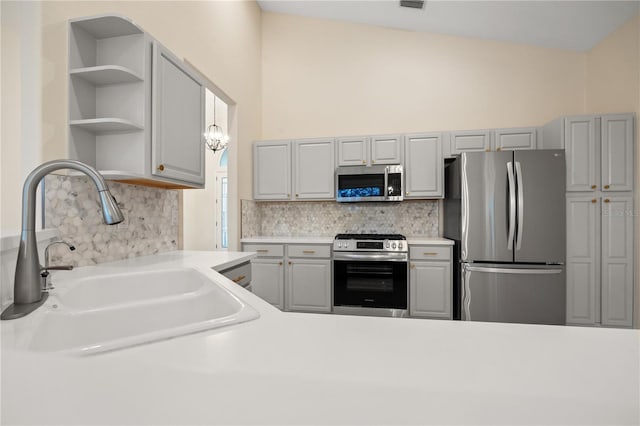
column 177, row 139
column 470, row 141
column 267, row 280
column 308, row 285
column 272, row 170
column 386, row 149
column 511, row 139
column 581, row 142
column 617, row 260
column 617, row 153
column 313, row 169
column 424, row 173
column 583, row 259
column 353, row 151
column 430, row 290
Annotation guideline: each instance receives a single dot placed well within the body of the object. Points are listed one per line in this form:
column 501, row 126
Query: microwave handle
column 386, row 183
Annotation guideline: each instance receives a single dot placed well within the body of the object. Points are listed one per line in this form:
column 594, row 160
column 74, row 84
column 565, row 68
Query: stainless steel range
column 370, row 274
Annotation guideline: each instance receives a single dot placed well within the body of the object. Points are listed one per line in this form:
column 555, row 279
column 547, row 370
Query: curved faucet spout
column 27, row 285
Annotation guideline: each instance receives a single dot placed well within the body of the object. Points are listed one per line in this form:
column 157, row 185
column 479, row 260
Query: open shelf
column 106, row 125
column 105, row 26
column 106, row 74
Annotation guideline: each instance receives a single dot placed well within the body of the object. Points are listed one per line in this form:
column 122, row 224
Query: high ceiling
column 573, row 25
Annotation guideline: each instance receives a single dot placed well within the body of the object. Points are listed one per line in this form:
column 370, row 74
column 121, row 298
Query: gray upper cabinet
column 178, row 119
column 600, row 150
column 114, row 113
column 313, row 169
column 423, row 165
column 470, row 141
column 617, row 153
column 386, row 149
column 582, row 145
column 353, row 151
column 294, row 170
column 512, row 139
column 369, row 150
column 272, row 170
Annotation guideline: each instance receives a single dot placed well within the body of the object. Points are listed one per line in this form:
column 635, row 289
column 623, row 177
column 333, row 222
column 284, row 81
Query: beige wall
column 613, row 85
column 325, row 78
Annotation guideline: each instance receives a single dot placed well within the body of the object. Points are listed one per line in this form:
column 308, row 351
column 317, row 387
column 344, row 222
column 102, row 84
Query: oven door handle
column 387, row 257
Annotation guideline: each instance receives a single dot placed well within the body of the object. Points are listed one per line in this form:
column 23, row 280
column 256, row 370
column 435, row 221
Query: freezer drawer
column 530, row 294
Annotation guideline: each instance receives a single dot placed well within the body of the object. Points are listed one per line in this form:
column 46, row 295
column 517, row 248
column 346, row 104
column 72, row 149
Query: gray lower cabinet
column 308, row 285
column 430, row 282
column 600, row 259
column 298, row 281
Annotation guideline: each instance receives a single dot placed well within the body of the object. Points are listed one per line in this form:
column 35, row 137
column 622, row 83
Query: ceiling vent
column 414, row 4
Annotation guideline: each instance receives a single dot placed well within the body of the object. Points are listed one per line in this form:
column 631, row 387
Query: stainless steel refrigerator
column 506, row 212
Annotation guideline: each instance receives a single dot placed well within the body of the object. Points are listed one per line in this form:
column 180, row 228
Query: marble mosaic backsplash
column 328, row 218
column 72, row 206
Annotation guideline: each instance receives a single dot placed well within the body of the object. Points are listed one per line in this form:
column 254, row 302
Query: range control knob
column 388, row 245
column 393, row 245
column 400, row 246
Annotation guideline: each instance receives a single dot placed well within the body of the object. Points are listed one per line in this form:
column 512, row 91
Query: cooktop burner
column 370, row 237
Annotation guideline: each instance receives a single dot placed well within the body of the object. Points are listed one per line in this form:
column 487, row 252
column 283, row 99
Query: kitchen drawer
column 266, row 250
column 239, row 274
column 429, row 253
column 321, row 251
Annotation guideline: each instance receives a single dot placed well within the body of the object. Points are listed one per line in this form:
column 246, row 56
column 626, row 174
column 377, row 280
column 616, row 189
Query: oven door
column 370, row 283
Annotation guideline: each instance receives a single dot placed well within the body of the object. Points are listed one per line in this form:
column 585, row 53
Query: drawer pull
column 280, row 263
column 593, row 187
column 308, row 251
column 290, row 263
column 606, row 200
column 240, row 278
column 413, row 266
column 430, row 253
column 607, row 187
column 161, row 167
column 262, row 251
column 594, row 201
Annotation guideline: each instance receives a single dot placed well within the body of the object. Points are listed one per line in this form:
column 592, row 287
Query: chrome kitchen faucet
column 28, row 294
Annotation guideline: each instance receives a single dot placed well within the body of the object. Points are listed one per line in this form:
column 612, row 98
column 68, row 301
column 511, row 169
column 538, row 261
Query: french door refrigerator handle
column 520, row 206
column 515, row 271
column 512, row 205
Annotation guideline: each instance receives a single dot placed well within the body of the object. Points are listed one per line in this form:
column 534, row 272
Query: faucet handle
column 46, row 253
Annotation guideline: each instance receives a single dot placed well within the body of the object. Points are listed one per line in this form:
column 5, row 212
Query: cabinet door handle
column 606, row 200
column 607, row 187
column 373, row 161
column 288, row 195
column 262, row 251
column 364, row 161
column 594, row 201
column 407, row 193
column 413, row 266
column 593, row 186
column 430, row 253
column 308, row 251
column 161, row 167
column 297, row 195
column 280, row 263
column 488, row 149
column 240, row 278
column 498, row 149
column 290, row 263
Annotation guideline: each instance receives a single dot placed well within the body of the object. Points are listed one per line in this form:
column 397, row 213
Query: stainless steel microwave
column 374, row 183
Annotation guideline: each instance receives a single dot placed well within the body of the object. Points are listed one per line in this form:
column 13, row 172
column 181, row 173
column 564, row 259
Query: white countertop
column 290, row 368
column 287, row 240
column 329, row 240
